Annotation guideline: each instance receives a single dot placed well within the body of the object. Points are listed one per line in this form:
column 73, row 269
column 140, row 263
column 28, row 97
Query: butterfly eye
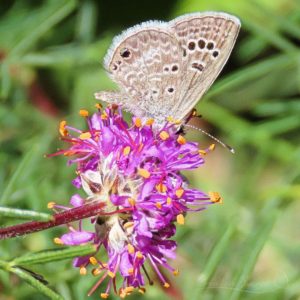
column 125, row 53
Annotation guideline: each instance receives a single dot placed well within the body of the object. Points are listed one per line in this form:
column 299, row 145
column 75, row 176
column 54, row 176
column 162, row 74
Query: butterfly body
column 164, row 68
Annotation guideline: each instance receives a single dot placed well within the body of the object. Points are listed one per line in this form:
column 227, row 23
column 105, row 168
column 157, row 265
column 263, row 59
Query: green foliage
column 248, row 248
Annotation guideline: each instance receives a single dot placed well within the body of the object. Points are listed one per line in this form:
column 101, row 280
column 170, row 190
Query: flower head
column 134, row 170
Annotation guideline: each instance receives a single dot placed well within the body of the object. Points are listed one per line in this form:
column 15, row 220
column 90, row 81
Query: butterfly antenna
column 212, row 137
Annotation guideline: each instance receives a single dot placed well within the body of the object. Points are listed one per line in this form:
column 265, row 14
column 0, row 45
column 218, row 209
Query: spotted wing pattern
column 163, row 69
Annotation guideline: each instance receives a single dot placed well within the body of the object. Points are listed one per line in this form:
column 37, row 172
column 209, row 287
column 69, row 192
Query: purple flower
column 134, row 169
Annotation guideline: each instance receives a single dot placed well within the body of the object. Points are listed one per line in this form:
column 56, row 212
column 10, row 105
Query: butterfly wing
column 207, row 40
column 145, row 61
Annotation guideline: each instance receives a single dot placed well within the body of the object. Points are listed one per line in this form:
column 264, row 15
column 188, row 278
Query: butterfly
column 164, row 68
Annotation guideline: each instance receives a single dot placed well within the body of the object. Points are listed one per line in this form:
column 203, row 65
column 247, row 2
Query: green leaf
column 54, row 255
column 24, row 214
column 256, row 70
column 51, row 17
column 254, row 246
column 213, row 261
column 36, row 281
column 24, row 163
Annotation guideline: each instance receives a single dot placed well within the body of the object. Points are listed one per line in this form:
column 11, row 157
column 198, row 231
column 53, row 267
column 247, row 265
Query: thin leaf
column 214, row 260
column 24, row 214
column 54, row 255
column 254, row 71
column 54, row 16
column 36, row 283
column 255, row 244
column 17, row 174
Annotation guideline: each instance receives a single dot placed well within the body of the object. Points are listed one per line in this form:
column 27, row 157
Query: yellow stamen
column 166, row 285
column 177, row 122
column 83, row 113
column 164, row 135
column 85, row 136
column 170, row 119
column 58, row 241
column 130, row 249
column 131, row 201
column 179, row 192
column 138, row 122
column 161, row 188
column 128, row 225
column 126, row 150
column 130, row 271
column 181, row 140
column 104, row 116
column 62, row 128
column 140, row 147
column 93, row 261
column 104, row 295
column 150, row 122
column 158, row 205
column 122, row 294
column 142, row 291
column 176, row 272
column 82, row 271
column 180, row 219
column 215, row 197
column 212, row 147
column 202, row 152
column 96, row 271
column 129, row 289
column 111, row 274
column 50, row 205
column 139, row 255
column 169, row 200
column 144, row 173
column 98, row 105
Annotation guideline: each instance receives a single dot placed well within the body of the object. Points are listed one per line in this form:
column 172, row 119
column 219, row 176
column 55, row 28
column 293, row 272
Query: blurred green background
column 51, row 64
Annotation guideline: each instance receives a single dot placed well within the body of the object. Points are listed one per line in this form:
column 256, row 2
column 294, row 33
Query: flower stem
column 61, row 218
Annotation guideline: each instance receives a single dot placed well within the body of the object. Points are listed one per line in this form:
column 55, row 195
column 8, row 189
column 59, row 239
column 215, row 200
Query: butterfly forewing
column 146, row 64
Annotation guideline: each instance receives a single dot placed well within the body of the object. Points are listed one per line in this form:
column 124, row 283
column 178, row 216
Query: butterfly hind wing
column 207, row 40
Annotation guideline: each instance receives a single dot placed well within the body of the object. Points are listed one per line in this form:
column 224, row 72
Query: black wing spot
column 125, row 53
column 191, row 45
column 201, row 44
column 215, row 54
column 170, row 90
column 210, row 46
column 174, row 68
column 197, row 66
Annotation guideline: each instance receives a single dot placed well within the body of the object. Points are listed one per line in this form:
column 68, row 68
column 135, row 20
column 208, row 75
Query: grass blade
column 213, row 261
column 36, row 281
column 25, row 162
column 256, row 244
column 51, row 20
column 24, row 214
column 54, row 255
